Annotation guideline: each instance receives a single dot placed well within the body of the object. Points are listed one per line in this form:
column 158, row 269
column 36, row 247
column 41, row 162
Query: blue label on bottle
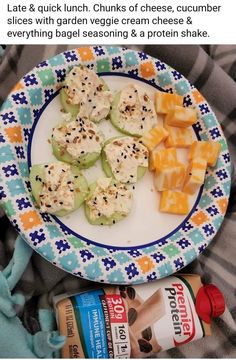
column 90, row 314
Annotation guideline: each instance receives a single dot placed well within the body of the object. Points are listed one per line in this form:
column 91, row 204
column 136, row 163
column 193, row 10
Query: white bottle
column 137, row 321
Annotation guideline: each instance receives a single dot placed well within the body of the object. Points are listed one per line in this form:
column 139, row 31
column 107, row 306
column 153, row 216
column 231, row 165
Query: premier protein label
column 130, row 321
column 182, row 313
column 180, row 324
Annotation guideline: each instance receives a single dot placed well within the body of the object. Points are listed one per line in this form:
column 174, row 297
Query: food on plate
column 166, row 157
column 169, row 178
column 133, row 112
column 164, row 102
column 179, row 137
column 78, row 142
column 85, row 94
column 195, row 175
column 58, row 188
column 174, row 202
column 170, row 174
column 154, row 137
column 108, row 202
column 125, row 159
column 181, row 117
column 208, row 150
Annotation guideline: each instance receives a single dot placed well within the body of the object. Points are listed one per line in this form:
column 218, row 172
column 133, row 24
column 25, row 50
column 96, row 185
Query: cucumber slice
column 139, row 125
column 105, row 165
column 141, row 170
column 102, row 220
column 83, row 162
column 37, row 170
column 115, row 119
column 73, row 109
column 69, row 108
column 114, row 115
column 105, row 87
column 80, row 186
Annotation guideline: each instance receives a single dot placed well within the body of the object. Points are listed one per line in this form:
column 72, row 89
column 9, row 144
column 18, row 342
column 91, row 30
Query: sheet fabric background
column 212, row 69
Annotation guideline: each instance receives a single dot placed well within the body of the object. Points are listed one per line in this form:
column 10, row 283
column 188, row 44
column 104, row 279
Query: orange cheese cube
column 208, row 150
column 164, row 102
column 168, row 178
column 154, row 137
column 179, row 137
column 195, row 175
column 174, row 202
column 162, row 158
column 181, row 117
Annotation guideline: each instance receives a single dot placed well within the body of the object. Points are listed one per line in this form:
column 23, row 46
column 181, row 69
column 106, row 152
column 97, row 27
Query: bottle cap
column 209, row 302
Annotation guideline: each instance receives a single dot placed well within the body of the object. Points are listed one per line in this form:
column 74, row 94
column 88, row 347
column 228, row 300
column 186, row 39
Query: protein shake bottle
column 137, row 321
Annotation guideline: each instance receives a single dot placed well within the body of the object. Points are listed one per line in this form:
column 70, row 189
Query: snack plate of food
column 113, row 166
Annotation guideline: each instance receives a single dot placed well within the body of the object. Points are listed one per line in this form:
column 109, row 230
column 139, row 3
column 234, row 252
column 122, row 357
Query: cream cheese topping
column 57, row 189
column 67, row 117
column 85, row 88
column 78, row 137
column 136, row 111
column 109, row 198
column 124, row 156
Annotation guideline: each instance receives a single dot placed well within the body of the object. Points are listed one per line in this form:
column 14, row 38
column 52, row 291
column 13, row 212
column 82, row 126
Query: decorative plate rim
column 19, row 115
